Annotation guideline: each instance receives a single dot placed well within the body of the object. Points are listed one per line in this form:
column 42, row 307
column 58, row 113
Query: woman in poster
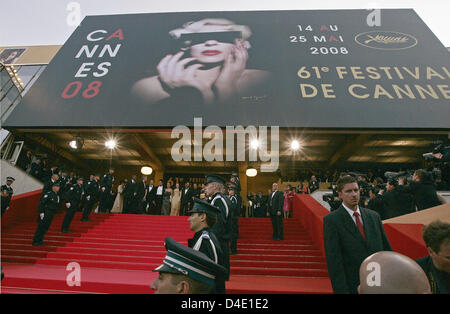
column 212, row 60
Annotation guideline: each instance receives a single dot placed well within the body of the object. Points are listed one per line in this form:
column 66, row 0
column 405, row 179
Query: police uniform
column 182, row 260
column 48, row 205
column 222, row 229
column 73, row 198
column 7, row 192
column 106, row 184
column 206, row 241
column 64, row 184
column 92, row 193
column 235, row 219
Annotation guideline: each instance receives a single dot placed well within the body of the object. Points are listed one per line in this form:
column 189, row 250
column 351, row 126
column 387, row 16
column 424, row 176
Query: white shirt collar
column 350, row 212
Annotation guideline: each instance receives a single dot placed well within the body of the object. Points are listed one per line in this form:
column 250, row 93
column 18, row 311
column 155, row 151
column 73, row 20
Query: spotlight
column 76, row 144
column 295, row 145
column 111, row 144
column 73, row 144
column 254, row 144
column 251, row 172
column 146, row 170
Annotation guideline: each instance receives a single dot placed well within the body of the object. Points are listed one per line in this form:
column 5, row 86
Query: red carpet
column 117, row 253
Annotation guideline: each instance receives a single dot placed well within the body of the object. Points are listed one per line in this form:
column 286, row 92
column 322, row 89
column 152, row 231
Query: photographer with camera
column 332, row 198
column 375, row 202
column 423, row 190
column 396, row 202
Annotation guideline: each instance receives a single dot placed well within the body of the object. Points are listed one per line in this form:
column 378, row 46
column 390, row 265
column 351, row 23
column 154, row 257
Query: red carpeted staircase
column 117, row 254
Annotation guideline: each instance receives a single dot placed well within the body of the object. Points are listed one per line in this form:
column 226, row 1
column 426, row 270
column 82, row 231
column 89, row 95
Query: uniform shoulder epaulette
column 205, row 235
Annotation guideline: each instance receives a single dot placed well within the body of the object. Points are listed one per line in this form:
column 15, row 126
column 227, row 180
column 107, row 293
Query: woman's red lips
column 210, row 52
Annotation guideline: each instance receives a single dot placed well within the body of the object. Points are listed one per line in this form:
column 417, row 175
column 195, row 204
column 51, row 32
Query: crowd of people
column 397, row 195
column 353, row 233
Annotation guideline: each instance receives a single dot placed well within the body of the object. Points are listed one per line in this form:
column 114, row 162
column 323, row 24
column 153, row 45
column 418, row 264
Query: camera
column 439, row 148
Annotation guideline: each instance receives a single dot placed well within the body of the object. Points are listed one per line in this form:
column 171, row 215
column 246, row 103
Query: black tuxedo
column 150, row 199
column 276, row 214
column 141, row 189
column 346, row 249
column 186, row 197
column 129, row 197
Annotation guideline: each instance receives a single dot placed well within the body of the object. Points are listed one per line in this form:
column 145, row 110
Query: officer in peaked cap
column 203, row 216
column 185, row 271
column 48, row 205
column 106, row 184
column 222, row 229
column 92, row 193
column 7, row 192
column 232, row 195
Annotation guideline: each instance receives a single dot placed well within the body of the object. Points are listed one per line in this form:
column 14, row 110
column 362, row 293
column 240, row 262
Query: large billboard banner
column 318, row 69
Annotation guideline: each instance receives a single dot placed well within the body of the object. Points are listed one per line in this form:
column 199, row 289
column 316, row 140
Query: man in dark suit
column 186, row 199
column 276, row 212
column 159, row 197
column 150, row 198
column 141, row 191
column 106, row 184
column 348, row 239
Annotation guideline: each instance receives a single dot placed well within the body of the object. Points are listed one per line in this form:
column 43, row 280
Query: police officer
column 73, row 198
column 7, row 192
column 222, row 229
column 48, row 205
column 64, row 183
column 232, row 190
column 203, row 216
column 92, row 193
column 185, row 271
column 106, row 184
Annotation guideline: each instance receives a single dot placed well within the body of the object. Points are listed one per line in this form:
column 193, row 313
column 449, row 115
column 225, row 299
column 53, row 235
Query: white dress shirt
column 350, row 212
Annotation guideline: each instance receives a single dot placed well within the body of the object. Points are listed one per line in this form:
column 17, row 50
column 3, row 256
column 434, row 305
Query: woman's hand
column 233, row 67
column 173, row 73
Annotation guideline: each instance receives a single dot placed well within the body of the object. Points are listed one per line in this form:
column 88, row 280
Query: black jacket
column 424, row 193
column 92, row 190
column 74, row 195
column 346, row 249
column 140, row 190
column 397, row 203
column 439, row 280
column 187, row 196
column 276, row 203
column 209, row 245
column 151, row 195
column 223, row 228
column 377, row 205
column 107, row 181
column 50, row 201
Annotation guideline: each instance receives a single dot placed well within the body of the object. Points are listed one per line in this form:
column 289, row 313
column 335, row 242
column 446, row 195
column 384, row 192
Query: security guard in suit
column 222, row 229
column 106, row 184
column 73, row 199
column 203, row 216
column 48, row 205
column 7, row 192
column 232, row 190
column 92, row 193
column 185, row 271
